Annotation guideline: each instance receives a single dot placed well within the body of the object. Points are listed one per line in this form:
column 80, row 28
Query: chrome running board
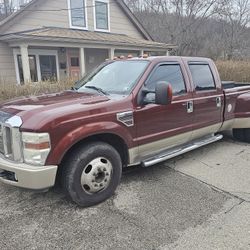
column 179, row 151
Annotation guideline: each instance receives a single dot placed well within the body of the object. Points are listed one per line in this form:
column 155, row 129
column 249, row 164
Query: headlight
column 36, row 147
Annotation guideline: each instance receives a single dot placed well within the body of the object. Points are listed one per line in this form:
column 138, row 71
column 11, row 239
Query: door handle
column 218, row 102
column 190, row 106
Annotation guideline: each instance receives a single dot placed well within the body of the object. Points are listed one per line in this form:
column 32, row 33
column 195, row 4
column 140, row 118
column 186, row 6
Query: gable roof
column 121, row 3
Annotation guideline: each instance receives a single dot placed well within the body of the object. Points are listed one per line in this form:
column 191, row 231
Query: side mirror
column 163, row 93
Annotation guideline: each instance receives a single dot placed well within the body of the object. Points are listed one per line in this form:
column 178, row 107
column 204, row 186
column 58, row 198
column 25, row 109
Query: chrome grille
column 9, row 138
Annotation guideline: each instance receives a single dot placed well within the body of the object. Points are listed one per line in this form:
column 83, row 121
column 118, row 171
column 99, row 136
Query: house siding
column 119, row 22
column 33, row 20
column 7, row 65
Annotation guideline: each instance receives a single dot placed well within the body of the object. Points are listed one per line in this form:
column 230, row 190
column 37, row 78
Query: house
column 66, row 38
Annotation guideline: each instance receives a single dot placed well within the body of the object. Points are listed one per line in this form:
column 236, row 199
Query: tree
column 235, row 16
column 7, row 7
column 198, row 27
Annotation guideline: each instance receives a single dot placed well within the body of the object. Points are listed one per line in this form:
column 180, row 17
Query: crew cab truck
column 127, row 112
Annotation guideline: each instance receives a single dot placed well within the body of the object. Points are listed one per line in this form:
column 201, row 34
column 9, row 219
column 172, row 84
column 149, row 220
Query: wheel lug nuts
column 93, row 181
column 101, row 185
column 107, row 174
column 104, row 169
column 105, row 180
column 96, row 185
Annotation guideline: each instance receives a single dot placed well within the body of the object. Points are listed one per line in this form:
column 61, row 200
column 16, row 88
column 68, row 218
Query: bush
column 238, row 71
column 9, row 91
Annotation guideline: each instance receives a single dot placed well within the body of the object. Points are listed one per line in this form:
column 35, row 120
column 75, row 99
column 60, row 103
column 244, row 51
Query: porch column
column 141, row 53
column 111, row 53
column 168, row 53
column 82, row 62
column 25, row 63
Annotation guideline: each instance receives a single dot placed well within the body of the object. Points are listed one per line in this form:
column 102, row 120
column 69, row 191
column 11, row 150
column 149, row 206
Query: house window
column 77, row 13
column 33, row 68
column 48, row 67
column 74, row 61
column 102, row 15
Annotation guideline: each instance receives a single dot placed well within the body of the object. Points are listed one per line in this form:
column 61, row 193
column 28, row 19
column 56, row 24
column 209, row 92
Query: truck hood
column 50, row 101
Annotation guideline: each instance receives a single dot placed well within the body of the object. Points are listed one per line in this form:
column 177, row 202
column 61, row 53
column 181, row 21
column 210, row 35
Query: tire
column 247, row 135
column 239, row 134
column 92, row 173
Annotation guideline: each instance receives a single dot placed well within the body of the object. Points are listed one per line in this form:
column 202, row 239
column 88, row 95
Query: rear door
column 207, row 99
column 164, row 126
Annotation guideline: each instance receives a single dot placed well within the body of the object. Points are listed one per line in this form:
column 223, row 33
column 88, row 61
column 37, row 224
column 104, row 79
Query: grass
column 238, row 71
column 9, row 91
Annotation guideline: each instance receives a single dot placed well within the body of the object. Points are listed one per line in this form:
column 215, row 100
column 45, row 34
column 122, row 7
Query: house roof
column 121, row 3
column 81, row 36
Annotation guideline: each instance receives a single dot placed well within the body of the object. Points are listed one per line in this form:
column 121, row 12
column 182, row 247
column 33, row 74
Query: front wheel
column 92, row 173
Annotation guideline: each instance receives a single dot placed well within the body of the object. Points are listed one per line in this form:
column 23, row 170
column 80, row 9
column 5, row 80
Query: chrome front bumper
column 27, row 176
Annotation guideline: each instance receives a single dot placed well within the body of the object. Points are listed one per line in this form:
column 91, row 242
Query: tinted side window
column 171, row 74
column 202, row 77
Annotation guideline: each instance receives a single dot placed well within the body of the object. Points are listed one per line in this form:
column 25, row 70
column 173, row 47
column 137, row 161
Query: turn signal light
column 40, row 146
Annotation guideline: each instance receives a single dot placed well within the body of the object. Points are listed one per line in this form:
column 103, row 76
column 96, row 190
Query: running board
column 179, row 151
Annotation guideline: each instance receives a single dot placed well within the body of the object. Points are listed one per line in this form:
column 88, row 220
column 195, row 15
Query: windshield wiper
column 73, row 88
column 97, row 89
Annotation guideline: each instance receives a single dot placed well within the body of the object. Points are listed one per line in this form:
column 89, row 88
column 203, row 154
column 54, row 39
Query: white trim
column 16, row 66
column 111, row 53
column 94, row 15
column 70, row 19
column 36, row 53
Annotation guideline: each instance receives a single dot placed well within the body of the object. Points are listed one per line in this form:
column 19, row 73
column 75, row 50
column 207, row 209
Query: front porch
column 53, row 55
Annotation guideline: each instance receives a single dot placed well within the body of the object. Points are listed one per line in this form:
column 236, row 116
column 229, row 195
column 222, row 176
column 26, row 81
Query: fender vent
column 127, row 118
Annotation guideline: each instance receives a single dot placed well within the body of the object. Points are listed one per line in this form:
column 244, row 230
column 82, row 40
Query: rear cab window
column 202, row 75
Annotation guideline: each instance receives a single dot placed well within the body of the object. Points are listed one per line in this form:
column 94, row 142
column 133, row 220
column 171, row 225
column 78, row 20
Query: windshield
column 118, row 77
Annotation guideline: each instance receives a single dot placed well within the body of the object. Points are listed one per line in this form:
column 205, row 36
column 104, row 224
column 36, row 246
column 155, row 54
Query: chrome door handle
column 218, row 102
column 190, row 106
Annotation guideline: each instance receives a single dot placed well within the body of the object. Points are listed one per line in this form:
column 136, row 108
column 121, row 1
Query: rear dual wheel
column 242, row 134
column 92, row 173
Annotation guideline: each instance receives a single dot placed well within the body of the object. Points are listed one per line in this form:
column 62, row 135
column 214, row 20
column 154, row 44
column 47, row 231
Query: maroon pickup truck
column 127, row 112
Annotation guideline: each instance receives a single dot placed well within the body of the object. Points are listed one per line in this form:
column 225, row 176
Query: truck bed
column 231, row 84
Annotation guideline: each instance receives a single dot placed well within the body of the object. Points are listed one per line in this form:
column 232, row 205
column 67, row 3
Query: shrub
column 9, row 91
column 238, row 71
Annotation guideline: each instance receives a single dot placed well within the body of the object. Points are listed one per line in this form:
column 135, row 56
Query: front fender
column 83, row 132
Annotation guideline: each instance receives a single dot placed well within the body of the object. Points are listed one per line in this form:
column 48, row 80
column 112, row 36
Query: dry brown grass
column 9, row 91
column 238, row 71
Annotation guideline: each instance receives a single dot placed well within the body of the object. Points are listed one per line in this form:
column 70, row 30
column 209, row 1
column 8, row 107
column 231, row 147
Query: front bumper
column 27, row 176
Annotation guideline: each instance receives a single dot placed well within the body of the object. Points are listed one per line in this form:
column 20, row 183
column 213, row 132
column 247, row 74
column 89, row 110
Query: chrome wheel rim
column 96, row 175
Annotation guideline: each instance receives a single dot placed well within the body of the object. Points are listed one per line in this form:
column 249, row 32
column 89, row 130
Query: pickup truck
column 126, row 112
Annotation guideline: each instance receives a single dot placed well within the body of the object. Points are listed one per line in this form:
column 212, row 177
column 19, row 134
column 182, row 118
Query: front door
column 208, row 100
column 161, row 127
column 74, row 65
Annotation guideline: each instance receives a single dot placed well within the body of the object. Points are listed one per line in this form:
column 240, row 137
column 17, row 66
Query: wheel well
column 113, row 140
